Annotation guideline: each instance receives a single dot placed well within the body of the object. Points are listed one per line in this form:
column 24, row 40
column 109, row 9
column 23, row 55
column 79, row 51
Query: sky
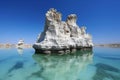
column 24, row 19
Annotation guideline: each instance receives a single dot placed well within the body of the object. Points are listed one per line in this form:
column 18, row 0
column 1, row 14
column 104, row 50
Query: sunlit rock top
column 62, row 35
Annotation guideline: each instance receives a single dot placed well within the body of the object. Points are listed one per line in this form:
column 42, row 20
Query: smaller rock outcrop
column 20, row 44
column 62, row 36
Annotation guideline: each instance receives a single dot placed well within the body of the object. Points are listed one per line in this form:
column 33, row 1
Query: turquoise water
column 99, row 64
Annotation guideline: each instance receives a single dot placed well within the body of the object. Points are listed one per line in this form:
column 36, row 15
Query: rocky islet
column 62, row 36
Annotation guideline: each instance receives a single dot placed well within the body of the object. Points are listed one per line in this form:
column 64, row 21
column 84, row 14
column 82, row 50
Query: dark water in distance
column 99, row 64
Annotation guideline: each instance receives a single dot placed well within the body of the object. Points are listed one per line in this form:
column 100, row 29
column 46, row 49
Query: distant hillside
column 8, row 45
column 115, row 45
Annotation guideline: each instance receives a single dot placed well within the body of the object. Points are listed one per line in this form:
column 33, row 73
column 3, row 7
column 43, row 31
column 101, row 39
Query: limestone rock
column 62, row 35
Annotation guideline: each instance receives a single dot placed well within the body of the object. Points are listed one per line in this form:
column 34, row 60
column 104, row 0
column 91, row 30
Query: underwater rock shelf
column 62, row 36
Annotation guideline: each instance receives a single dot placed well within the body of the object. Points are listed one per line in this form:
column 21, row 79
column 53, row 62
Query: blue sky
column 24, row 19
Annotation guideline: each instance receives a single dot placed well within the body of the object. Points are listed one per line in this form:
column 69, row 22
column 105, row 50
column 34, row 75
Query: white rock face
column 58, row 35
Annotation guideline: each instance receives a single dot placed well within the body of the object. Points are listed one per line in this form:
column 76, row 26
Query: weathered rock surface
column 62, row 36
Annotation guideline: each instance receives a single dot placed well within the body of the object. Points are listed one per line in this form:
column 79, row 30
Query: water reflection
column 62, row 67
column 20, row 51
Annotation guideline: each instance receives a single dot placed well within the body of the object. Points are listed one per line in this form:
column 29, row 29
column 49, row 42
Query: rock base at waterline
column 62, row 51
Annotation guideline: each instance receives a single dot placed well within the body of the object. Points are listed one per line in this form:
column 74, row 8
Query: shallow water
column 99, row 64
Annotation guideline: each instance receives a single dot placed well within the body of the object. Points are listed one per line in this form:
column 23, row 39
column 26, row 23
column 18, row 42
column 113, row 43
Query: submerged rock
column 106, row 72
column 18, row 65
column 59, row 36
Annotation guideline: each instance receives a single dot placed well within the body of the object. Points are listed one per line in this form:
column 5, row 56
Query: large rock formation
column 62, row 36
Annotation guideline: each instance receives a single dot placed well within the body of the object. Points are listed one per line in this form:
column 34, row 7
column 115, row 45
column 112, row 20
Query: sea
column 101, row 63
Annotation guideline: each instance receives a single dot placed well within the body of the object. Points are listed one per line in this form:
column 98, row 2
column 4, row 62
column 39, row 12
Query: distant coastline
column 112, row 45
column 8, row 45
